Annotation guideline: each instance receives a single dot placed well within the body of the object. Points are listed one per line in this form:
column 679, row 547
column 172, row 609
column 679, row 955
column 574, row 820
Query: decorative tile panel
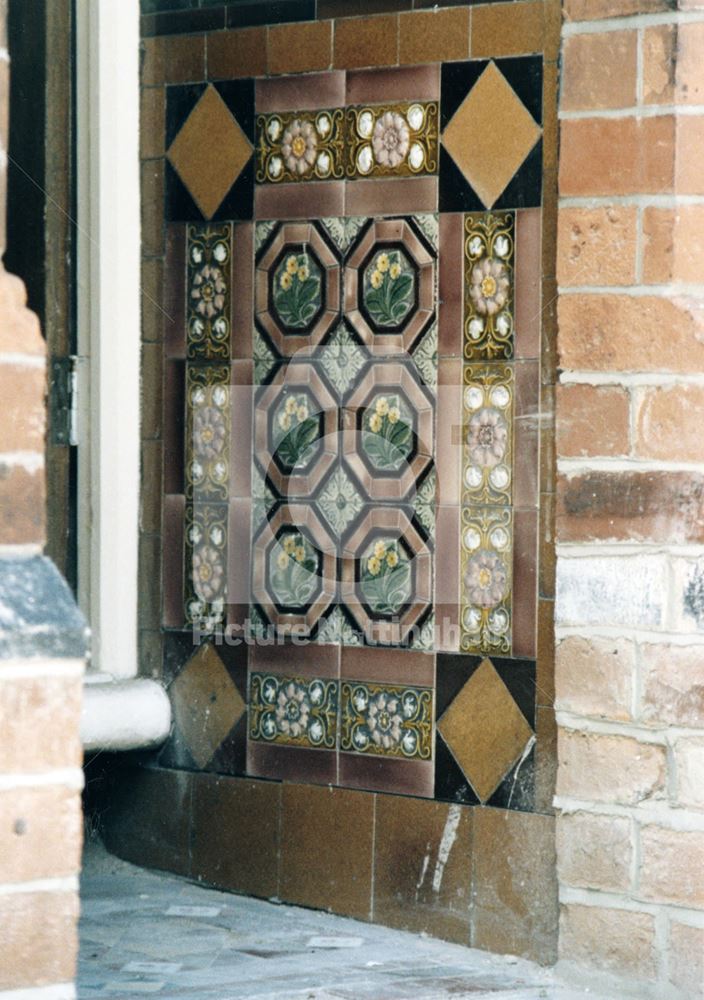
column 300, row 146
column 488, row 256
column 487, row 434
column 207, row 431
column 486, row 579
column 385, row 720
column 392, row 140
column 205, row 571
column 209, row 256
column 293, row 711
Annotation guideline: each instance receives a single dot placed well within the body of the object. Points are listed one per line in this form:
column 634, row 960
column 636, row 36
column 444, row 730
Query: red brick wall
column 630, row 493
column 40, row 753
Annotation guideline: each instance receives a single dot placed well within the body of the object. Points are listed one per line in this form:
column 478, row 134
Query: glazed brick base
column 473, row 875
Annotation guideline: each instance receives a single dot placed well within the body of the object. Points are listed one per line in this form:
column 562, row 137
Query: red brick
column 49, row 708
column 594, row 852
column 673, row 244
column 25, row 816
column 673, row 685
column 671, row 864
column 38, row 944
column 617, row 941
column 592, row 420
column 22, row 505
column 595, row 677
column 689, row 173
column 665, row 428
column 605, row 156
column 596, row 246
column 631, row 506
column 19, row 330
column 599, row 71
column 22, row 391
column 625, row 333
column 687, row 959
column 616, row 769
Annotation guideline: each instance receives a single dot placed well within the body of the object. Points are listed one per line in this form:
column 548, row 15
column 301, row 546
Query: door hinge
column 63, row 401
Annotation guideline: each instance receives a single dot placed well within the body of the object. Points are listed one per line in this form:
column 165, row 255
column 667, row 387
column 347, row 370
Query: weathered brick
column 605, row 156
column 22, row 505
column 594, row 852
column 26, row 814
column 665, row 428
column 47, row 707
column 596, row 246
column 599, row 768
column 673, row 244
column 631, row 506
column 19, row 330
column 689, row 765
column 595, row 677
column 22, row 392
column 599, row 71
column 659, row 64
column 38, row 943
column 673, row 685
column 689, row 172
column 592, row 420
column 588, row 340
column 609, row 940
column 686, row 963
column 611, row 590
column 671, row 865
column 594, row 10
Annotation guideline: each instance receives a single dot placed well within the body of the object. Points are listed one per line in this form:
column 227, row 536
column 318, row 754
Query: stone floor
column 144, row 933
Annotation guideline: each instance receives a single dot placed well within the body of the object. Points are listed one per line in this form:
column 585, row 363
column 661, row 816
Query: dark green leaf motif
column 297, row 290
column 388, row 289
column 293, row 571
column 387, row 437
column 295, row 431
column 386, row 577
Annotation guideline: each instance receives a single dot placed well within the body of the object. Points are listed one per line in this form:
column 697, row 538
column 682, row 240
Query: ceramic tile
column 366, row 41
column 173, row 312
column 373, row 197
column 387, row 720
column 528, row 274
column 211, row 149
column 340, row 823
column 208, row 291
column 450, row 284
column 416, row 887
column 488, row 434
column 174, row 426
column 236, row 54
column 434, row 36
column 300, row 48
column 241, row 401
column 449, row 445
column 239, row 852
column 239, row 560
column 488, row 268
column 392, row 140
column 207, row 431
column 409, row 83
column 299, row 201
column 447, row 583
column 527, row 433
column 286, row 763
column 485, row 730
column 172, row 561
column 300, row 146
column 501, row 101
column 206, row 704
column 387, row 774
column 486, row 567
column 312, row 92
column 293, row 711
column 205, row 564
column 525, row 584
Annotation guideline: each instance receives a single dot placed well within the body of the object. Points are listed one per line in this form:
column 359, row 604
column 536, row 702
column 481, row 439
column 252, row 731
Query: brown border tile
column 238, row 53
column 174, row 311
column 283, row 763
column 172, row 561
column 503, row 30
column 174, row 425
column 366, row 41
column 408, row 83
column 451, row 285
column 407, row 861
column 241, row 391
column 448, row 449
column 545, row 665
column 152, row 118
column 302, row 93
column 312, row 200
column 300, row 48
column 525, row 588
column 239, row 543
column 240, row 851
column 387, row 666
column 392, row 197
column 311, row 660
column 447, row 582
column 327, row 849
column 528, row 282
column 242, row 290
column 526, row 433
column 356, row 8
column 434, row 35
column 383, row 774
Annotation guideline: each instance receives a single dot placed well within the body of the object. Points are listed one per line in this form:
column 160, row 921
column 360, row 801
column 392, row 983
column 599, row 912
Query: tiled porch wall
column 630, row 614
column 476, row 87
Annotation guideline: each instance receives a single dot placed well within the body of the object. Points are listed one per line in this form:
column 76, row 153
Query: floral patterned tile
column 293, row 711
column 486, row 579
column 489, row 254
column 381, row 719
column 208, row 291
column 205, row 564
column 207, row 431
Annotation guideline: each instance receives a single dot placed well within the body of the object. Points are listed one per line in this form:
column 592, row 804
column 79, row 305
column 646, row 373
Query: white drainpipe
column 120, row 711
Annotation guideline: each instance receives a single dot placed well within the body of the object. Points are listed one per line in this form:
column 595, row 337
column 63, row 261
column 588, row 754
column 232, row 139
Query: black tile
column 517, row 790
column 525, row 74
column 240, row 15
column 159, row 6
column 454, row 191
column 450, row 783
column 456, row 81
column 525, row 189
column 519, row 678
column 180, row 206
column 238, row 95
column 453, row 670
column 182, row 22
column 180, row 101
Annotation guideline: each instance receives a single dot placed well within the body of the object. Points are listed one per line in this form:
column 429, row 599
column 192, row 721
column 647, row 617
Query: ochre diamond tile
column 210, row 152
column 485, row 730
column 490, row 135
column 206, row 704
